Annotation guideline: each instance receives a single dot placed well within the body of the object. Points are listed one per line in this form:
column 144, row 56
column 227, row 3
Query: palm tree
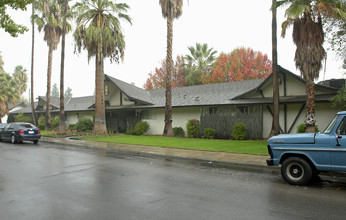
column 99, row 31
column 62, row 121
column 170, row 9
column 50, row 20
column 275, row 125
column 32, row 63
column 1, row 63
column 8, row 92
column 21, row 78
column 306, row 18
column 201, row 56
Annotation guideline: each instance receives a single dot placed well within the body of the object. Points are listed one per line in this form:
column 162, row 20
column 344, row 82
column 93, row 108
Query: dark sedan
column 18, row 132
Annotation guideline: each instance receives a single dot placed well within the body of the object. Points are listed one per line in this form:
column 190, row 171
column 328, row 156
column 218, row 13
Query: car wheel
column 296, row 171
column 35, row 141
column 14, row 139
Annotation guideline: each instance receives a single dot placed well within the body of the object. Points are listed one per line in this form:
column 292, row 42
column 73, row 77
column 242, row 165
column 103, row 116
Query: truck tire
column 296, row 171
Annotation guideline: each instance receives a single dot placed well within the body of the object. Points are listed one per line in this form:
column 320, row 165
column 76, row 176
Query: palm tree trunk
column 168, row 130
column 310, row 107
column 32, row 68
column 100, row 114
column 49, row 79
column 275, row 125
column 62, row 124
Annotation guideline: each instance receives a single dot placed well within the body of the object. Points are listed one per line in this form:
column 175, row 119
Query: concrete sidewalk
column 221, row 159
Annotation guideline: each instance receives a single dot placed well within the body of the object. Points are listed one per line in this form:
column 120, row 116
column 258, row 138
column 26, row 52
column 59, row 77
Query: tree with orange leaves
column 157, row 80
column 239, row 65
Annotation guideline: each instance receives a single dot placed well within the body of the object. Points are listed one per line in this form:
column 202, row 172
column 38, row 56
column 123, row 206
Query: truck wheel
column 296, row 171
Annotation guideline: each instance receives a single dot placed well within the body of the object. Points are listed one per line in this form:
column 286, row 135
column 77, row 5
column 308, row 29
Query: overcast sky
column 222, row 24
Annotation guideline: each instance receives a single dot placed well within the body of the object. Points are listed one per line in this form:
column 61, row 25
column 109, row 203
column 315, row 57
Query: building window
column 213, row 110
column 243, row 109
column 106, row 90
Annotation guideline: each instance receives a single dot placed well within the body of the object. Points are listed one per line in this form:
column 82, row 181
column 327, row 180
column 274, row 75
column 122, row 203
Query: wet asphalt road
column 48, row 181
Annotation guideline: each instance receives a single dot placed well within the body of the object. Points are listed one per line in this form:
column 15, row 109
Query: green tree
column 1, row 64
column 8, row 92
column 50, row 19
column 339, row 101
column 99, row 31
column 306, row 18
column 21, row 78
column 55, row 91
column 335, row 30
column 6, row 21
column 201, row 57
column 199, row 63
column 68, row 93
column 170, row 9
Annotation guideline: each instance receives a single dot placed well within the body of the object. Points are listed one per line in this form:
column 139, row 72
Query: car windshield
column 25, row 126
column 331, row 125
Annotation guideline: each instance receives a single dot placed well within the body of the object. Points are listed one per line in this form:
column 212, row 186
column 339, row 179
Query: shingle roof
column 54, row 101
column 80, row 103
column 132, row 91
column 26, row 109
column 73, row 104
column 211, row 94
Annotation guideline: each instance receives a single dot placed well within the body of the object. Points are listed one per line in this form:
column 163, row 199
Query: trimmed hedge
column 22, row 118
column 209, row 133
column 141, row 128
column 178, row 132
column 193, row 128
column 239, row 131
column 84, row 124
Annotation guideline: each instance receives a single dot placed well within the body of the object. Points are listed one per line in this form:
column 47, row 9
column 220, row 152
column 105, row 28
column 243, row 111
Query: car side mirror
column 337, row 137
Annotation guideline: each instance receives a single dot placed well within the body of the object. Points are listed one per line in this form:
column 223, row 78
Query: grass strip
column 257, row 147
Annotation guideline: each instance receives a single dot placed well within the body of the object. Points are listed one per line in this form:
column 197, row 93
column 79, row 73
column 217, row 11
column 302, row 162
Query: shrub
column 84, row 124
column 54, row 123
column 178, row 132
column 301, row 128
column 22, row 118
column 239, row 131
column 193, row 128
column 141, row 128
column 209, row 133
column 71, row 127
column 41, row 122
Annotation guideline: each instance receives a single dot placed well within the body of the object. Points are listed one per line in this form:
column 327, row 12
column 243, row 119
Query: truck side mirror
column 337, row 137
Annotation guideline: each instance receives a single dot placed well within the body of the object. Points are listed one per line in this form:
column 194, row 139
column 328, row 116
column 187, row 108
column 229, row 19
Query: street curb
column 88, row 145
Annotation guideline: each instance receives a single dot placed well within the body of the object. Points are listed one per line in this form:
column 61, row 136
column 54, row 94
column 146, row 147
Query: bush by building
column 178, row 132
column 239, row 131
column 84, row 124
column 141, row 128
column 192, row 128
column 22, row 118
column 209, row 133
column 301, row 128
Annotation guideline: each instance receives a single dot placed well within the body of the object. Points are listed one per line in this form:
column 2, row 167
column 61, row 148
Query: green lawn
column 245, row 147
